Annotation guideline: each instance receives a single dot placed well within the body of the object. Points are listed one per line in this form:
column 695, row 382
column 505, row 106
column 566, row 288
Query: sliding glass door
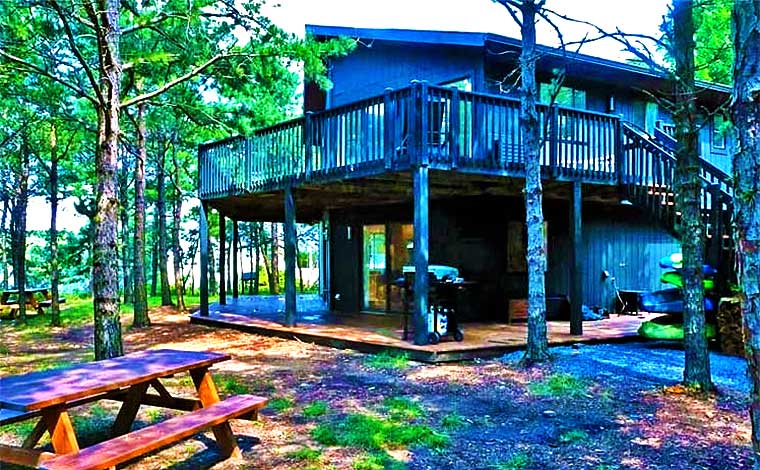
column 386, row 250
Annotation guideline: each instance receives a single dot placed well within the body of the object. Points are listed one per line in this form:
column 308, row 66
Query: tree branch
column 169, row 85
column 42, row 72
column 77, row 53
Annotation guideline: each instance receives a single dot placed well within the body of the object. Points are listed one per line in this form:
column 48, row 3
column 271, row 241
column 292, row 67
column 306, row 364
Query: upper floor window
column 566, row 96
column 463, row 84
column 720, row 128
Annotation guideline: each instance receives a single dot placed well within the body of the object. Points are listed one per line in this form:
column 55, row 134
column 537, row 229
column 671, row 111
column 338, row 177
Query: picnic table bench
column 36, row 299
column 48, row 395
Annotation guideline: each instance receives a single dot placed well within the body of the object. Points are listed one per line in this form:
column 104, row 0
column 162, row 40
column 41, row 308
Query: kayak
column 668, row 301
column 668, row 328
column 675, row 262
column 675, row 278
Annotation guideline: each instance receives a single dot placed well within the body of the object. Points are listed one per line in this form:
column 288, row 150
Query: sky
column 631, row 16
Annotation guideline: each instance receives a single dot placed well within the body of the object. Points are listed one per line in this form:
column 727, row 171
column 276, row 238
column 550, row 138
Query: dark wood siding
column 624, row 243
column 619, row 240
column 368, row 71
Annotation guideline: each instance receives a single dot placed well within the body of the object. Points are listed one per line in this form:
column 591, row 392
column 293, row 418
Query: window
column 463, row 84
column 565, row 97
column 720, row 128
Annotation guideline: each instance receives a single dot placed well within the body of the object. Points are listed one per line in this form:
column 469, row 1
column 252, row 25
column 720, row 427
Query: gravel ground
column 660, row 363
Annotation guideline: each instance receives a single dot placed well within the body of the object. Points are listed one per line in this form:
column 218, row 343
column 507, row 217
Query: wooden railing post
column 389, row 128
column 619, row 149
column 419, row 124
column 554, row 140
column 454, row 124
column 308, row 141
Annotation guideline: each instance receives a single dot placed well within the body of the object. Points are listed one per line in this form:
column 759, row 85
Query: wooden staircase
column 647, row 180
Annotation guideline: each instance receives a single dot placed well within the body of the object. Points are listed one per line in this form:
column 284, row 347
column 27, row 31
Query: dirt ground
column 490, row 411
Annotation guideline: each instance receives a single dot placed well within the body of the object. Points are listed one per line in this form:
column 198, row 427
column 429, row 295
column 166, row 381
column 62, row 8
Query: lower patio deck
column 367, row 332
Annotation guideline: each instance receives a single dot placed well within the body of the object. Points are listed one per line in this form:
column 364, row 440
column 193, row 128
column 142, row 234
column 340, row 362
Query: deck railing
column 649, row 175
column 442, row 127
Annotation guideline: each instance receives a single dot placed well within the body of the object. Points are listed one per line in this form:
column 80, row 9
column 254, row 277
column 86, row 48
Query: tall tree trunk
column 274, row 282
column 55, row 307
column 105, row 278
column 257, row 229
column 176, row 222
column 141, row 318
column 746, row 166
column 126, row 271
column 18, row 233
column 250, row 231
column 687, row 190
column 154, row 256
column 537, row 349
column 213, row 287
column 4, row 244
column 300, row 269
column 163, row 254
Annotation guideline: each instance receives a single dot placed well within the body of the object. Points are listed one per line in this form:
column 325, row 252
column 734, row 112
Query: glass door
column 386, row 250
column 373, row 267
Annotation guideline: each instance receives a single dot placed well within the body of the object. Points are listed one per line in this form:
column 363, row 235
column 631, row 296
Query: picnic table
column 36, row 299
column 48, row 396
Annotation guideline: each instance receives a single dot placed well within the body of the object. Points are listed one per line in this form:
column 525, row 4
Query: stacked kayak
column 670, row 301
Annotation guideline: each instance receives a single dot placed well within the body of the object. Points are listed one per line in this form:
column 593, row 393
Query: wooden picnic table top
column 43, row 389
column 27, row 290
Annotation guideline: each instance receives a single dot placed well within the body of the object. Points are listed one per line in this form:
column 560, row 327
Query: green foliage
column 573, row 436
column 559, row 385
column 306, row 454
column 518, row 461
column 315, row 409
column 714, row 45
column 281, row 404
column 387, row 360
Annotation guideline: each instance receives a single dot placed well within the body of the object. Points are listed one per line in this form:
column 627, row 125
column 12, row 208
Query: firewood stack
column 730, row 328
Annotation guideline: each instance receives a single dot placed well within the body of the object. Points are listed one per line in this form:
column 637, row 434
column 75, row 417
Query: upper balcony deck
column 443, row 128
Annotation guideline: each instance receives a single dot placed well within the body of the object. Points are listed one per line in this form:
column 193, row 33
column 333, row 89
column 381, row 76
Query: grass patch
column 573, row 436
column 402, row 408
column 315, row 409
column 232, row 386
column 519, row 461
column 20, row 429
column 305, row 454
column 281, row 404
column 559, row 385
column 373, row 433
column 154, row 415
column 452, row 420
column 387, row 360
column 376, row 461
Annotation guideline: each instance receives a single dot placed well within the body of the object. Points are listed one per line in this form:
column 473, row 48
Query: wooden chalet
column 414, row 158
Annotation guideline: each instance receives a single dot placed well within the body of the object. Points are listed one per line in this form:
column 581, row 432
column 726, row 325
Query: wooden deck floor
column 374, row 333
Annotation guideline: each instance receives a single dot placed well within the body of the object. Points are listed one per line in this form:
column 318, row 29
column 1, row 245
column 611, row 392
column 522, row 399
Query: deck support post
column 290, row 257
column 421, row 232
column 235, row 249
column 576, row 266
column 222, row 259
column 324, row 259
column 203, row 235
